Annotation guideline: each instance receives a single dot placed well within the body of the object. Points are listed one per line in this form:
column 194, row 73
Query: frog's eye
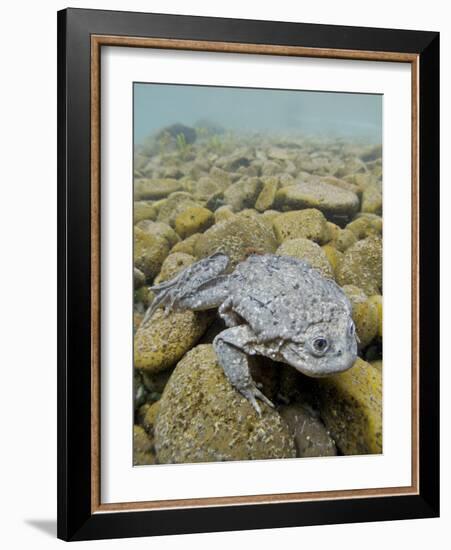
column 320, row 344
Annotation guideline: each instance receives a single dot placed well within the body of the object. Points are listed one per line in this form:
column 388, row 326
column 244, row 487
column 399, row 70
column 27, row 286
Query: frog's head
column 324, row 349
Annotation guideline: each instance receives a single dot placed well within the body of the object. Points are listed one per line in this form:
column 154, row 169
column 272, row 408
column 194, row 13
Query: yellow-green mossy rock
column 243, row 193
column 362, row 266
column 377, row 364
column 364, row 227
column 150, row 417
column 270, row 215
column 308, row 251
column 174, row 205
column 306, row 224
column 139, row 278
column 202, row 418
column 377, row 301
column 166, row 338
column 173, row 264
column 343, row 184
column 205, row 187
column 187, row 245
column 149, row 252
column 355, row 294
column 144, row 210
column 223, row 213
column 194, row 219
column 372, row 199
column 351, row 408
column 331, row 200
column 237, row 237
column 344, row 240
column 267, row 195
column 155, row 188
column 159, row 229
column 142, row 447
column 309, row 433
column 333, row 255
column 366, row 319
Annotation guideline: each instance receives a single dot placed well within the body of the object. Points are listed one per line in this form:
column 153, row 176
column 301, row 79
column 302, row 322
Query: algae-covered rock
column 202, row 418
column 377, row 301
column 161, row 342
column 309, row 433
column 306, row 224
column 174, row 205
column 331, row 200
column 366, row 319
column 223, row 213
column 243, row 193
column 308, row 251
column 159, row 229
column 355, row 294
column 187, row 245
column 267, row 195
column 344, row 240
column 333, row 255
column 149, row 251
column 237, row 237
column 139, row 278
column 362, row 266
column 155, row 188
column 372, row 199
column 142, row 447
column 195, row 219
column 144, row 210
column 364, row 227
column 173, row 264
column 351, row 408
column 150, row 417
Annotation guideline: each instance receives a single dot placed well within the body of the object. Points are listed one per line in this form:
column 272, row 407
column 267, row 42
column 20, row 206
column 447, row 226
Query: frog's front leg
column 230, row 346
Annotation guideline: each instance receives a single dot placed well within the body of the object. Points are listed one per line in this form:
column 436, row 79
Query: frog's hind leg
column 230, row 346
column 199, row 287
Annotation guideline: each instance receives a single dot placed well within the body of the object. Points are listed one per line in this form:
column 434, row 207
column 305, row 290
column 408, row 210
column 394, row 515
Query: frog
column 275, row 306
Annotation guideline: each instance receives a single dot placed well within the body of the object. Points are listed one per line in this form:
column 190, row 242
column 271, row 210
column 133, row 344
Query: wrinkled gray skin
column 275, row 306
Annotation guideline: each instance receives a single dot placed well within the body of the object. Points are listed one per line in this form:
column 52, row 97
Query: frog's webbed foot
column 229, row 346
column 199, row 287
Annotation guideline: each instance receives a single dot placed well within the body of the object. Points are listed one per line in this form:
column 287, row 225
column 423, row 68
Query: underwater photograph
column 257, row 272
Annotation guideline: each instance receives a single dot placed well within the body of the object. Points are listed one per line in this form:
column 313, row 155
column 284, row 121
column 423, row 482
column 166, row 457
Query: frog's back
column 283, row 292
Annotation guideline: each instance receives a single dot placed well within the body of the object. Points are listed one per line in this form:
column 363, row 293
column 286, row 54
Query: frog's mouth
column 317, row 367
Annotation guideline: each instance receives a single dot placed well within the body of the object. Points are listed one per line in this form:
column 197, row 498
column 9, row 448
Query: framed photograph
column 248, row 274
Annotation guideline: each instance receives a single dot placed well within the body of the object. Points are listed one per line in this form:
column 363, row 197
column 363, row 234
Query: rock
column 377, row 365
column 144, row 210
column 271, row 168
column 344, row 240
column 372, row 199
column 269, row 216
column 237, row 237
column 174, row 205
column 331, row 200
column 351, row 408
column 166, row 338
column 150, row 417
column 306, row 224
column 144, row 296
column 371, row 153
column 362, row 266
column 221, row 177
column 355, row 294
column 202, row 418
column 142, row 447
column 139, row 278
column 334, row 231
column 155, row 383
column 279, row 153
column 155, row 188
column 308, row 251
column 365, row 227
column 187, row 245
column 343, row 184
column 173, row 264
column 205, row 187
column 149, row 251
column 159, row 229
column 310, row 435
column 195, row 219
column 223, row 213
column 333, row 255
column 366, row 319
column 267, row 195
column 377, row 301
column 243, row 193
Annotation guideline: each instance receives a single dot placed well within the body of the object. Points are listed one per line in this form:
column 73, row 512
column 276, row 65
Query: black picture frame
column 76, row 520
